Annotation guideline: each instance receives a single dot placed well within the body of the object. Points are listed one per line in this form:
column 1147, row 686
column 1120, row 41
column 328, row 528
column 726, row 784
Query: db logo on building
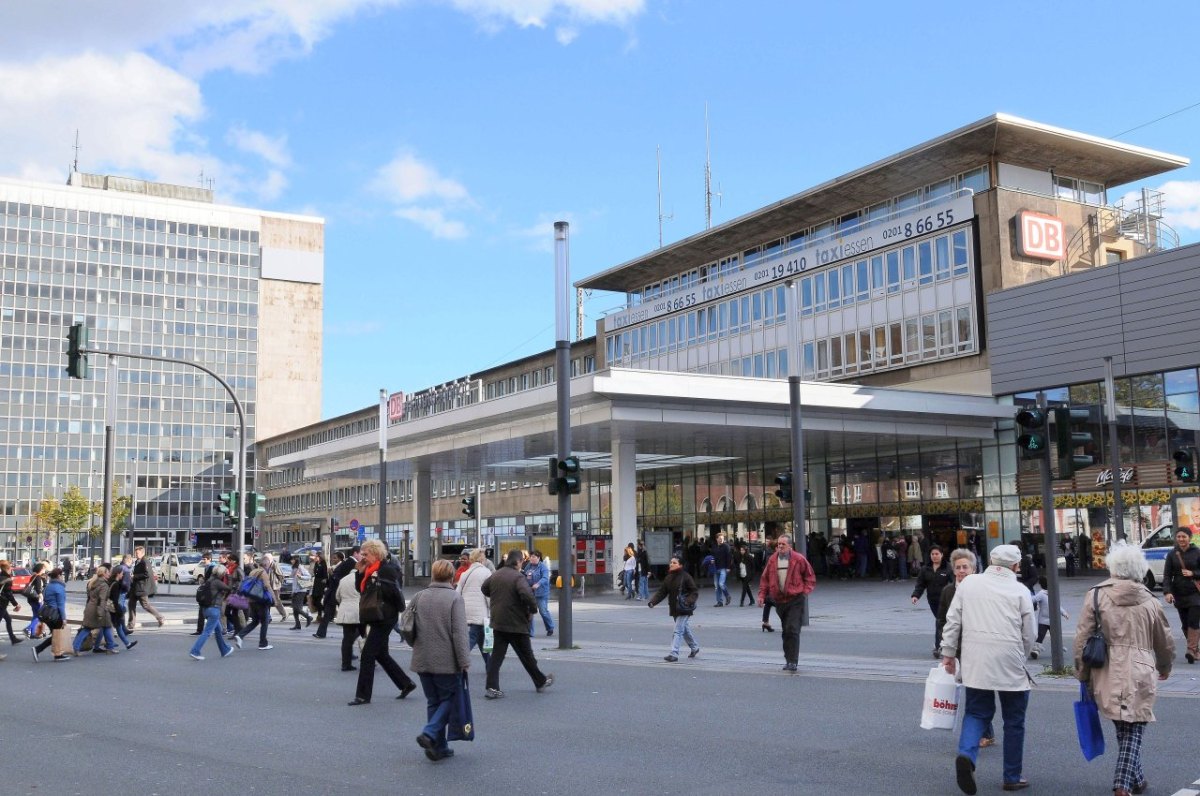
column 1040, row 236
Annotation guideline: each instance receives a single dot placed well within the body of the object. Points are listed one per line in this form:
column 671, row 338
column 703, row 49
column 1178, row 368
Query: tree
column 68, row 515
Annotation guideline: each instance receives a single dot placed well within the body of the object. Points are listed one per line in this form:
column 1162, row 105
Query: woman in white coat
column 347, row 615
column 477, row 605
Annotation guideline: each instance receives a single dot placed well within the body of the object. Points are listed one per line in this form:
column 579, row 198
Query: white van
column 1156, row 547
column 180, row 567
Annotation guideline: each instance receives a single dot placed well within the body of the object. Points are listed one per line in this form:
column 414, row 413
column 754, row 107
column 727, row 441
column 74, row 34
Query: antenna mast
column 75, row 163
column 661, row 217
column 708, row 192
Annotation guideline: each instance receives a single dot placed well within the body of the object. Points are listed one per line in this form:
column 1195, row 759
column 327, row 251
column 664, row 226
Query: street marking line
column 1188, row 791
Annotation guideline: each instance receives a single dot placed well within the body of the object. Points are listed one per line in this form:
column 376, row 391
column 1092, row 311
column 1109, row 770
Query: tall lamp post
column 562, row 367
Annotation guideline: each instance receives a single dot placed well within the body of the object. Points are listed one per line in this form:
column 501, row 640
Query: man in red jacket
column 787, row 580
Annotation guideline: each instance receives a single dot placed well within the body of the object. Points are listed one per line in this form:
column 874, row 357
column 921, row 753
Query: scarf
column 367, row 573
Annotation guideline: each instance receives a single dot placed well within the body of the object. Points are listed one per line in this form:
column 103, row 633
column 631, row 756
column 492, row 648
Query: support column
column 818, row 507
column 422, row 511
column 624, row 501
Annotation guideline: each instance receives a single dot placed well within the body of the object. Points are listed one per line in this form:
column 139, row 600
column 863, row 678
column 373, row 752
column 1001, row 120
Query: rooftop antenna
column 75, row 163
column 661, row 217
column 708, row 192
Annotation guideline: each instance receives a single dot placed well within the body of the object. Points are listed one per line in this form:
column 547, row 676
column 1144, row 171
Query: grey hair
column 961, row 553
column 1127, row 562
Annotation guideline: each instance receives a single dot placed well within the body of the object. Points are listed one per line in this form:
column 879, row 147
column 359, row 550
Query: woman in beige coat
column 1140, row 651
column 96, row 615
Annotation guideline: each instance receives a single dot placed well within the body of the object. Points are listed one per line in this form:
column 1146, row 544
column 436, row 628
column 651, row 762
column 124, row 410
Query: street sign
column 28, row 540
column 354, row 525
column 46, row 543
column 362, row 534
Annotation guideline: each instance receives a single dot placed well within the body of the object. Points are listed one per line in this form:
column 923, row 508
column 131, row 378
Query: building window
column 1113, row 256
column 941, row 489
column 912, row 490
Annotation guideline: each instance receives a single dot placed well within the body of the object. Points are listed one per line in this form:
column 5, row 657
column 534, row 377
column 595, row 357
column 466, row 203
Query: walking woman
column 469, row 586
column 56, row 595
column 678, row 583
column 347, row 614
column 1180, row 573
column 7, row 599
column 96, row 615
column 743, row 564
column 118, row 602
column 962, row 563
column 1133, row 621
column 33, row 595
column 299, row 594
column 320, row 573
column 379, row 591
column 440, row 656
column 260, row 608
column 932, row 580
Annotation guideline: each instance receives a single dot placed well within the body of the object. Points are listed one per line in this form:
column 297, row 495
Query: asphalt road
column 618, row 720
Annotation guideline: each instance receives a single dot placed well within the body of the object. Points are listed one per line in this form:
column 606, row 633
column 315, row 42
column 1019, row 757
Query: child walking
column 1041, row 604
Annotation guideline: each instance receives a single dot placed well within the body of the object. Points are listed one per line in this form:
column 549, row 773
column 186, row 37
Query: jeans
column 106, row 634
column 35, row 606
column 790, row 615
column 683, row 633
column 260, row 617
column 212, row 627
column 118, row 623
column 502, row 640
column 977, row 717
column 475, row 639
column 643, row 587
column 439, row 695
column 862, row 564
column 722, row 574
column 903, row 569
column 543, row 604
column 627, row 581
column 299, row 599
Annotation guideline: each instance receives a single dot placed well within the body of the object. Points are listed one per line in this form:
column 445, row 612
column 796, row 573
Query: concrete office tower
column 154, row 269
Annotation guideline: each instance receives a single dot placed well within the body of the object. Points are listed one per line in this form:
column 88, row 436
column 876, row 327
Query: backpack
column 51, row 616
column 204, row 593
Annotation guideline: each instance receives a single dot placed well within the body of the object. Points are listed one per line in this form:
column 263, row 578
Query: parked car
column 156, row 563
column 285, row 591
column 1156, row 547
column 180, row 567
column 21, row 578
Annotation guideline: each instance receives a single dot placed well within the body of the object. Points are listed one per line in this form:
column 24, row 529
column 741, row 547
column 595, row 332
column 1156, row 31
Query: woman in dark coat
column 679, row 582
column 7, row 599
column 383, row 576
column 96, row 615
column 320, row 573
column 932, row 580
column 116, row 587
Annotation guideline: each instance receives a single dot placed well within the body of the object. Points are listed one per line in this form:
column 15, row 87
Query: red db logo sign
column 1040, row 236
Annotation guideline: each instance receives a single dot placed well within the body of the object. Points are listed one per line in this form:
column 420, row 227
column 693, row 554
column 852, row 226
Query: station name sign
column 832, row 250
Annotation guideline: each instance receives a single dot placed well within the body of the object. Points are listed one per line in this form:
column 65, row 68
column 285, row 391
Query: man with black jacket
column 512, row 603
column 329, row 598
column 676, row 585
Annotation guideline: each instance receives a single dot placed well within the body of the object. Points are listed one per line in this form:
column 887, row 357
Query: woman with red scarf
column 379, row 606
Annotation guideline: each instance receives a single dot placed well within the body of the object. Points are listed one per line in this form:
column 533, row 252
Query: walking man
column 723, row 561
column 512, row 606
column 329, row 598
column 538, row 575
column 991, row 625
column 786, row 581
column 681, row 594
column 145, row 586
column 643, row 571
column 203, row 569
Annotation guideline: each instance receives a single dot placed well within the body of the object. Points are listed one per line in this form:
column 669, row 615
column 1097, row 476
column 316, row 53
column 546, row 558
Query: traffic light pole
column 1051, row 552
column 562, row 372
column 1114, row 445
column 238, row 544
column 799, row 482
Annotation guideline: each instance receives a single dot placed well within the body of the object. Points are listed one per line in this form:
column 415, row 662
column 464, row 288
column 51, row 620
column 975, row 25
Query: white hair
column 1127, row 562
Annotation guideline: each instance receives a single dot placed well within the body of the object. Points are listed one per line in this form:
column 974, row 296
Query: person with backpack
column 202, row 569
column 33, row 595
column 210, row 596
column 7, row 599
column 679, row 589
column 261, row 590
column 55, row 597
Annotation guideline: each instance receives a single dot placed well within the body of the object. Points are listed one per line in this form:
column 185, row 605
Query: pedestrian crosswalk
column 1192, row 790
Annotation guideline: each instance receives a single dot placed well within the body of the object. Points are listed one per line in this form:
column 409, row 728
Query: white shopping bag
column 942, row 699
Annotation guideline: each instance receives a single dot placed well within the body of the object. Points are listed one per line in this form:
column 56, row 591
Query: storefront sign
column 857, row 243
column 1040, row 236
column 1106, row 476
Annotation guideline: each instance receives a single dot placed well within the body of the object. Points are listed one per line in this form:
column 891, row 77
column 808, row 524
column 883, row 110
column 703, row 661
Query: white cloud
column 407, row 179
column 539, row 236
column 542, row 13
column 273, row 150
column 1182, row 198
column 434, row 221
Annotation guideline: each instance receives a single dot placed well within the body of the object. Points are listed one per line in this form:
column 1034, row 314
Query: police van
column 1156, row 547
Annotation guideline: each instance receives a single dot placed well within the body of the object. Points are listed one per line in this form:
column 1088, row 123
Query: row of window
column 167, row 247
column 535, row 378
column 166, row 275
column 18, row 212
column 350, row 428
column 398, row 491
column 103, row 256
column 976, row 180
column 904, row 268
column 92, row 296
column 931, row 336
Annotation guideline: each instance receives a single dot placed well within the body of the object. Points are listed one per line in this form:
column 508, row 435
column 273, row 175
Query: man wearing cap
column 993, row 622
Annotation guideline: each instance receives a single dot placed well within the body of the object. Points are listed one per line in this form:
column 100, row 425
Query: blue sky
column 441, row 139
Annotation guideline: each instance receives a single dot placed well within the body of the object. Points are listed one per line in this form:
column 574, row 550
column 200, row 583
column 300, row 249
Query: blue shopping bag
column 1087, row 724
column 461, row 726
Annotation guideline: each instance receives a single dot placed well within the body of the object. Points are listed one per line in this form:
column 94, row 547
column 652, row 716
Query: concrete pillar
column 818, row 507
column 624, row 501
column 422, row 510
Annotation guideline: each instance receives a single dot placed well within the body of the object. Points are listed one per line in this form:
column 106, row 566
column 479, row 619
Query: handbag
column 370, row 605
column 1087, row 724
column 461, row 725
column 1095, row 649
column 408, row 621
column 51, row 616
column 942, row 702
column 238, row 602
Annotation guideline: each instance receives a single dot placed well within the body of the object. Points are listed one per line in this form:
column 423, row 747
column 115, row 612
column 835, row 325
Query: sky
column 441, row 139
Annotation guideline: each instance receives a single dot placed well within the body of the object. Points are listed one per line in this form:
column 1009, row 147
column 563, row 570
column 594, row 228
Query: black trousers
column 747, row 594
column 260, row 617
column 328, row 611
column 350, row 634
column 519, row 642
column 375, row 650
column 298, row 609
column 1189, row 616
column 790, row 615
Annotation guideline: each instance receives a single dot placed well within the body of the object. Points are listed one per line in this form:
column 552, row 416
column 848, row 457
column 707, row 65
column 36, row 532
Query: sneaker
column 266, row 647
column 790, row 667
column 964, row 771
column 549, row 681
column 694, row 653
column 670, row 658
column 196, row 657
column 131, row 645
column 1033, row 654
column 237, row 641
column 493, row 693
column 549, row 632
column 62, row 657
column 227, row 653
column 35, row 654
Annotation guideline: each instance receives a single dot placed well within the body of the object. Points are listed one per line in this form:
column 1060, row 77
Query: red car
column 21, row 578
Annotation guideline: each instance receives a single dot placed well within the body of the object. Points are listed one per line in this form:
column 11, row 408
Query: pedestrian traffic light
column 256, row 503
column 784, row 483
column 77, row 360
column 552, row 477
column 570, row 481
column 1185, row 464
column 1034, row 442
column 469, row 507
column 1070, row 432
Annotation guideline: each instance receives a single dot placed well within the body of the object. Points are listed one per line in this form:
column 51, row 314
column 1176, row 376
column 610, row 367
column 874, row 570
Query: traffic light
column 256, row 503
column 1035, row 441
column 569, row 481
column 469, row 507
column 228, row 505
column 77, row 361
column 552, row 478
column 1070, row 432
column 784, row 482
column 1185, row 463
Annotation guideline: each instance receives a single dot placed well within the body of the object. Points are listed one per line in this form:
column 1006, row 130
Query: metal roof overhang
column 679, row 414
column 1007, row 138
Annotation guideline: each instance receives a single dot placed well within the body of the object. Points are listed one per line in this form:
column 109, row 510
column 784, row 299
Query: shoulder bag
column 1095, row 650
column 408, row 621
column 370, row 604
